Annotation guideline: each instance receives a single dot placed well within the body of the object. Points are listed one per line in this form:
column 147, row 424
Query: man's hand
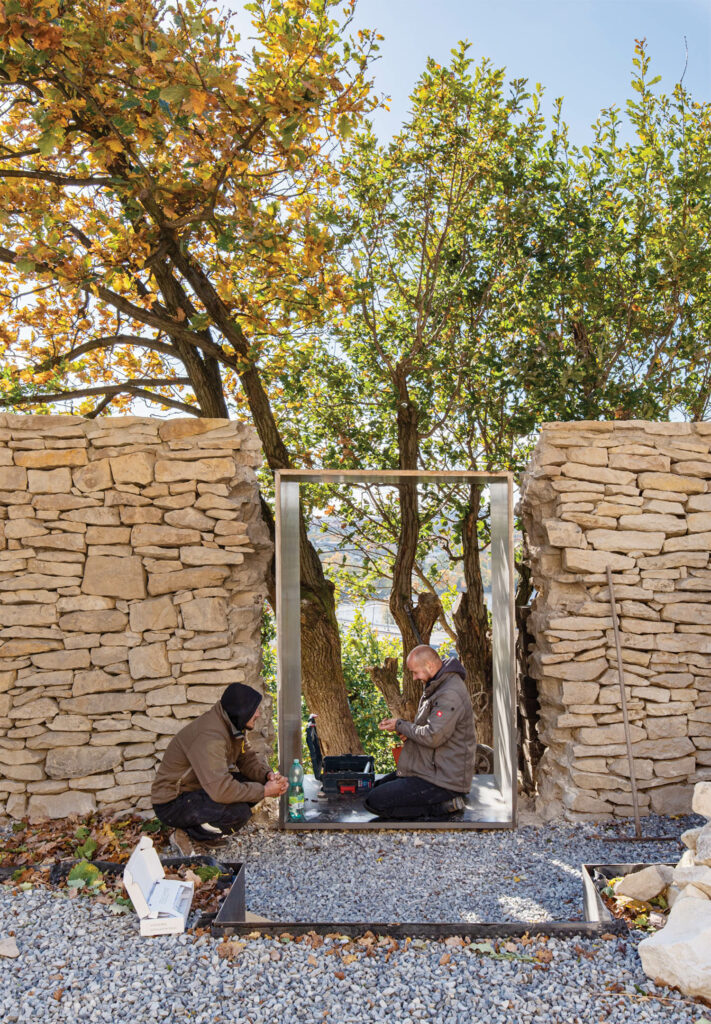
column 275, row 787
column 388, row 725
column 274, row 775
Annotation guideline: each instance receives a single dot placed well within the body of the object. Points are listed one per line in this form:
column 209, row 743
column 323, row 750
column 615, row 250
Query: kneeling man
column 436, row 766
column 209, row 778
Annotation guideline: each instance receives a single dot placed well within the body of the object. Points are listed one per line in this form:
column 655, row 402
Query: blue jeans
column 407, row 798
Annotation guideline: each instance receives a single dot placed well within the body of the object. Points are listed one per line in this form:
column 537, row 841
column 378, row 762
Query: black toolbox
column 347, row 774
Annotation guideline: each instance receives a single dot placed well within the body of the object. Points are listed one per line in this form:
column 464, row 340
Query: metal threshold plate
column 486, row 808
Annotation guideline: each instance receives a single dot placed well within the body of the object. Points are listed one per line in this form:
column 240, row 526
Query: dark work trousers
column 407, row 798
column 195, row 808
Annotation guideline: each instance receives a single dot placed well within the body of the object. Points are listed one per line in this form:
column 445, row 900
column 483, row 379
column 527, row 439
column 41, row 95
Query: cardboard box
column 162, row 904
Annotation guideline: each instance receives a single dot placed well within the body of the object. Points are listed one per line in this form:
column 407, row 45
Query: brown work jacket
column 202, row 756
column 440, row 745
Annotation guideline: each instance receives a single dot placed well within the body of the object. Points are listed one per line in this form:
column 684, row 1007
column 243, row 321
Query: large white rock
column 679, row 955
column 701, row 802
column 698, row 875
column 645, row 884
column 702, row 848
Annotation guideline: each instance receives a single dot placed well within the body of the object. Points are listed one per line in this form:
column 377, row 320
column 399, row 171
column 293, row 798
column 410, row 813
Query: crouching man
column 436, row 765
column 209, row 778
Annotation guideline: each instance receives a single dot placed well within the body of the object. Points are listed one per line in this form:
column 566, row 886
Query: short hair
column 423, row 657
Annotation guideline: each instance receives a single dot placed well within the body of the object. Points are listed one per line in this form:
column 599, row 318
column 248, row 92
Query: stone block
column 27, row 615
column 644, row 885
column 71, row 763
column 13, row 478
column 96, row 476
column 206, row 470
column 60, row 805
column 670, row 482
column 626, row 541
column 187, row 579
column 166, row 695
column 149, row 535
column 99, row 621
column 667, row 728
column 190, row 519
column 701, row 803
column 687, row 611
column 136, row 468
column 103, row 703
column 41, row 709
column 640, row 463
column 587, row 561
column 563, row 534
column 114, row 577
column 671, row 799
column 98, row 681
column 157, row 614
column 108, row 535
column 596, row 474
column 53, row 458
column 61, row 660
column 150, row 661
column 672, row 526
column 50, row 481
column 577, row 671
column 200, row 555
column 606, row 734
column 164, row 726
column 205, row 614
column 679, row 955
column 675, row 767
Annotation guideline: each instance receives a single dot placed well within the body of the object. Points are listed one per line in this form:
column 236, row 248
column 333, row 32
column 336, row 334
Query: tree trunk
column 471, row 622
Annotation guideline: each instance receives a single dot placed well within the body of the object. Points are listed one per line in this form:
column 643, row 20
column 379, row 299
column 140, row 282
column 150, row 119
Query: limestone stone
column 106, row 621
column 60, row 805
column 71, row 763
column 114, row 577
column 208, row 614
column 96, row 476
column 60, row 660
column 602, row 735
column 675, row 768
column 206, row 694
column 149, row 661
column 98, row 681
column 679, row 955
column 136, row 468
column 644, row 885
column 103, row 703
column 690, row 837
column 27, row 615
column 626, row 541
column 166, row 695
column 157, row 614
column 640, row 463
column 596, row 474
column 41, row 709
column 49, row 740
column 209, row 470
column 674, row 559
column 576, row 671
column 671, row 799
column 189, row 518
column 695, row 874
column 589, row 456
column 653, row 522
column 699, row 503
column 671, row 482
column 701, row 803
column 660, row 749
column 51, row 459
column 148, row 535
column 50, row 481
column 179, row 429
column 563, row 534
column 165, row 726
column 693, row 467
column 209, row 556
column 105, row 535
column 187, row 579
column 702, row 845
column 13, row 478
column 687, row 612
column 64, row 542
column 587, row 561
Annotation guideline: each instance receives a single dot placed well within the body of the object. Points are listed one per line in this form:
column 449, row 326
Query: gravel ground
column 78, row 962
column 531, row 874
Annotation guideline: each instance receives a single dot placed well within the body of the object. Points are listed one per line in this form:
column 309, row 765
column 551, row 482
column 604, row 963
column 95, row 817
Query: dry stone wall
column 133, row 562
column 635, row 496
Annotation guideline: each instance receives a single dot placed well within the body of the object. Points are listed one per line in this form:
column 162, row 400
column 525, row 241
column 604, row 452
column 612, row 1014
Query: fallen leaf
column 312, row 960
column 608, row 936
column 57, row 994
column 190, row 876
column 454, row 940
column 544, row 955
column 444, row 959
column 349, row 959
column 340, row 975
column 229, row 950
column 510, row 947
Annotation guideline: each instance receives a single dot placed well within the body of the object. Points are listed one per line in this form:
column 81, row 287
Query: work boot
column 457, row 803
column 206, row 835
column 181, row 844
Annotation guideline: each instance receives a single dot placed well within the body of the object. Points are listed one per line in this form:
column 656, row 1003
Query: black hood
column 239, row 703
column 451, row 665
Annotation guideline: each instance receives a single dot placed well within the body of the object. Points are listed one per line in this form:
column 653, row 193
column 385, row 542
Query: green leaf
column 84, row 874
column 174, row 93
column 49, row 141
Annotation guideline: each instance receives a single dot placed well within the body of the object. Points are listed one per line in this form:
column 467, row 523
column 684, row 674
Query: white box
column 162, row 904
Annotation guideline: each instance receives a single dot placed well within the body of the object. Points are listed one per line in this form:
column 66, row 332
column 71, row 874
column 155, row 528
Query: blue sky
column 579, row 49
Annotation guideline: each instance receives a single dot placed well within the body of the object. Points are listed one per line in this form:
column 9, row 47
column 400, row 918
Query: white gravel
column 530, row 874
column 80, row 964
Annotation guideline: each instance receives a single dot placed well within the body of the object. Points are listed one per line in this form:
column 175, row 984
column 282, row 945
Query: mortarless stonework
column 133, row 562
column 637, row 496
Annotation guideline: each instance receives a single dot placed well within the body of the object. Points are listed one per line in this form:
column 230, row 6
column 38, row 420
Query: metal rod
column 623, row 697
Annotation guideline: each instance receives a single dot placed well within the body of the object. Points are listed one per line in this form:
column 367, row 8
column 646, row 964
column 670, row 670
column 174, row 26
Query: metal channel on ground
column 492, row 799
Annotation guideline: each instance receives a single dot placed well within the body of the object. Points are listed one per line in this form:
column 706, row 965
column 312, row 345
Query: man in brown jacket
column 209, row 778
column 436, row 766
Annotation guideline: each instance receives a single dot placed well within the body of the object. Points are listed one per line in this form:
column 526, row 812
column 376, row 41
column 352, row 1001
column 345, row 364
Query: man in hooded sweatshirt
column 210, row 778
column 436, row 765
